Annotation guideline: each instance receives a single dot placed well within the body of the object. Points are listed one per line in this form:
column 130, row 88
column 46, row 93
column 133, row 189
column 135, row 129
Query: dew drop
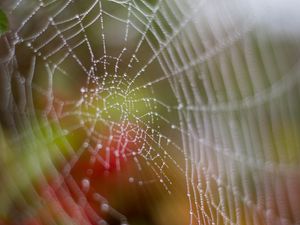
column 82, row 90
column 85, row 183
column 85, row 144
column 104, row 207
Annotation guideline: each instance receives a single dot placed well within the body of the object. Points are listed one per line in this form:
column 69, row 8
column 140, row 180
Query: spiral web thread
column 234, row 87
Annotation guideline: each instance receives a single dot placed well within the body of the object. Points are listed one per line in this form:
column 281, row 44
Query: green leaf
column 3, row 23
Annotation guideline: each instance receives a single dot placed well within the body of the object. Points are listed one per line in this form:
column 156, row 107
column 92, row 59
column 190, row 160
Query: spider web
column 201, row 87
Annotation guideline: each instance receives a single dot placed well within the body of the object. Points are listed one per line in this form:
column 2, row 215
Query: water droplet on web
column 85, row 144
column 102, row 222
column 82, row 90
column 85, row 183
column 104, row 207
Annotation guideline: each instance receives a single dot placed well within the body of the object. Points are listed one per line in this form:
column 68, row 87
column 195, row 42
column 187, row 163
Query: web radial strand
column 205, row 88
